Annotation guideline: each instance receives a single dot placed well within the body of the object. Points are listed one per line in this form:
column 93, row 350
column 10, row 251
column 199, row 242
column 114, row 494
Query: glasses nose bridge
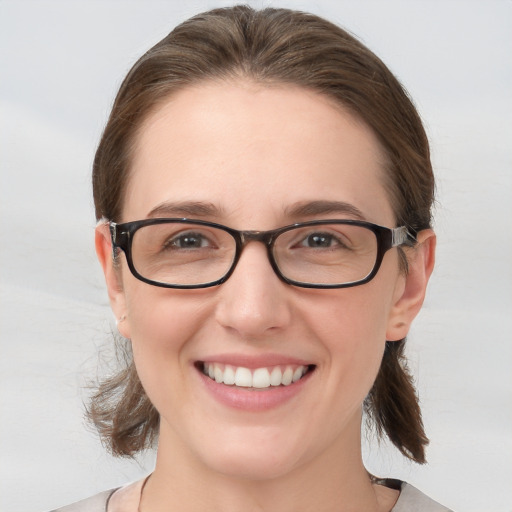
column 265, row 237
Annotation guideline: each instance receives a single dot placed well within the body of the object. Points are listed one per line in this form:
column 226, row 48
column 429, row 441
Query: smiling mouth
column 257, row 378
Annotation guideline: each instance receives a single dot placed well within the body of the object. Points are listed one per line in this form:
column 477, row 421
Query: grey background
column 61, row 63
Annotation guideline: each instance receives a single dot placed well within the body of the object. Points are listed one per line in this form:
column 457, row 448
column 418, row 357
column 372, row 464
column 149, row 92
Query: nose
column 254, row 302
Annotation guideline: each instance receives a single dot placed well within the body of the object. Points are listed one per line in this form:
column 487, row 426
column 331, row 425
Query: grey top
column 413, row 500
column 96, row 503
column 410, row 500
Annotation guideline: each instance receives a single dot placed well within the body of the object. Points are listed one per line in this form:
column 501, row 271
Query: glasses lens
column 326, row 254
column 182, row 253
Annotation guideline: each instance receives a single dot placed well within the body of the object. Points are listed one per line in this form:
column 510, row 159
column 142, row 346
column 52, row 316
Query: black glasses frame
column 387, row 238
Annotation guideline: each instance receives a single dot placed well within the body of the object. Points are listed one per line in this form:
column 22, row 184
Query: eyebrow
column 295, row 211
column 312, row 208
column 185, row 209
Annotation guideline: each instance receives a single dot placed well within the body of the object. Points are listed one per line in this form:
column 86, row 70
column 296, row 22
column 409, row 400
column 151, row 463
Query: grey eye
column 319, row 240
column 189, row 241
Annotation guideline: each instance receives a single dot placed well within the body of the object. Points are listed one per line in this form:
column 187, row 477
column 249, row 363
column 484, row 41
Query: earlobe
column 410, row 297
column 112, row 277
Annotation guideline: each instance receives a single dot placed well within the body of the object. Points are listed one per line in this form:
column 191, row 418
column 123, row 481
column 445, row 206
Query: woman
column 252, row 365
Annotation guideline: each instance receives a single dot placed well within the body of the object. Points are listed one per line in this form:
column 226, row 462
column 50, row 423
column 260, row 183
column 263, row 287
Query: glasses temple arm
column 113, row 236
column 403, row 235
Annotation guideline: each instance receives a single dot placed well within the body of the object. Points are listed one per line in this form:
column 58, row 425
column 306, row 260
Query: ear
column 410, row 295
column 112, row 277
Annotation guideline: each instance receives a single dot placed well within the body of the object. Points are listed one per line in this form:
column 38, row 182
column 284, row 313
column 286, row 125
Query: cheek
column 352, row 328
column 358, row 344
column 162, row 325
column 356, row 316
column 161, row 318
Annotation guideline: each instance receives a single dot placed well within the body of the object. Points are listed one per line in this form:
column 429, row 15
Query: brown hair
column 269, row 46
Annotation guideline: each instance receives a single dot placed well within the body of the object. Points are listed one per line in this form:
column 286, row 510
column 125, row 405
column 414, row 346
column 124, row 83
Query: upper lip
column 257, row 361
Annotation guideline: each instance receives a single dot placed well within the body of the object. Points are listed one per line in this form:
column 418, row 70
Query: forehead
column 253, row 151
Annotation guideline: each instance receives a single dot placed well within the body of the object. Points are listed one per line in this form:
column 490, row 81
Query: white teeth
column 259, row 378
column 218, row 374
column 276, row 376
column 229, row 375
column 287, row 376
column 243, row 377
column 297, row 374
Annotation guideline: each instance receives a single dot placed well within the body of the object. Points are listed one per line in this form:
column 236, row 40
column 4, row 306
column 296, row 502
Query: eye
column 320, row 240
column 188, row 240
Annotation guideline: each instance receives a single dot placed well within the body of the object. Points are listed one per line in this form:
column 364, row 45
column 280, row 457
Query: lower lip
column 250, row 399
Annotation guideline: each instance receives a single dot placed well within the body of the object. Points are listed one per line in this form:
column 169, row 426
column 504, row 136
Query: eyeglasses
column 186, row 253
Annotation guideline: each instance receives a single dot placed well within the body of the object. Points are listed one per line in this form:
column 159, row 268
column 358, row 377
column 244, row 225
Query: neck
column 334, row 481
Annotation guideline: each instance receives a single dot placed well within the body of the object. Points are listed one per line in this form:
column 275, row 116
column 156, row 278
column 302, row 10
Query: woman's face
column 257, row 158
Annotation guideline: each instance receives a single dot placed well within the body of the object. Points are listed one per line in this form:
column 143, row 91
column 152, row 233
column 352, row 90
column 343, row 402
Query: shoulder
column 96, row 503
column 121, row 499
column 413, row 500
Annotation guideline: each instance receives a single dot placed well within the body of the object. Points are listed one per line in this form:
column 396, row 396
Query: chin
column 252, row 458
column 256, row 468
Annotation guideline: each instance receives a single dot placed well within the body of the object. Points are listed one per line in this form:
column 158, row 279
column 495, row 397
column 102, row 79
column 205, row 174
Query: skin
column 254, row 152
